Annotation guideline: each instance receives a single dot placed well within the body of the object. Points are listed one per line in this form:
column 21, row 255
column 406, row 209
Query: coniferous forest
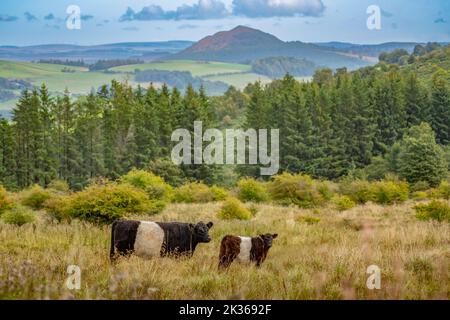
column 340, row 123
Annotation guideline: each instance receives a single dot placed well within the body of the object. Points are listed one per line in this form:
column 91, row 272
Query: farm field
column 78, row 82
column 323, row 257
column 196, row 68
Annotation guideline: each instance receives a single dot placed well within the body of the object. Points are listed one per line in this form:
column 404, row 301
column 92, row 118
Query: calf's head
column 200, row 231
column 268, row 238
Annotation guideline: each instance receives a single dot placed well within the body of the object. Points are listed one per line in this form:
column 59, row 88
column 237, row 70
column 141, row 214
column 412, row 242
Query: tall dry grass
column 321, row 258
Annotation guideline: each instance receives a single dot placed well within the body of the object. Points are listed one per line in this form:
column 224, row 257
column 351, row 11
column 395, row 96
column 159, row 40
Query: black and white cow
column 245, row 249
column 148, row 239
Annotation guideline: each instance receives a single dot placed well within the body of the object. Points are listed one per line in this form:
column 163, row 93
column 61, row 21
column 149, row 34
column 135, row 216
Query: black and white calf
column 148, row 239
column 245, row 249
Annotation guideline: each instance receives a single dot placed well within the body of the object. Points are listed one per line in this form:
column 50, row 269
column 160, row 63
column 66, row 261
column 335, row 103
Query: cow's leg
column 226, row 256
column 226, row 260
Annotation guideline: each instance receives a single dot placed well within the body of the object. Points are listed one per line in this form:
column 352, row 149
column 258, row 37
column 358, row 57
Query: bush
column 197, row 192
column 300, row 190
column 158, row 191
column 389, row 192
column 58, row 207
column 251, row 190
column 436, row 210
column 442, row 191
column 19, row 216
column 219, row 193
column 34, row 197
column 358, row 190
column 419, row 195
column 102, row 203
column 233, row 209
column 60, row 186
column 343, row 203
column 420, row 186
column 5, row 201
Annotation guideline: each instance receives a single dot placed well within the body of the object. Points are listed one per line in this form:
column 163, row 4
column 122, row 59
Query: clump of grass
column 249, row 189
column 343, row 203
column 442, row 191
column 419, row 195
column 232, row 208
column 308, row 219
column 435, row 210
column 34, row 197
column 5, row 201
column 19, row 215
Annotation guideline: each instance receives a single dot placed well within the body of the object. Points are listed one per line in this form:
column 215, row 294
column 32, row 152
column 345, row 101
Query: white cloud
column 278, row 8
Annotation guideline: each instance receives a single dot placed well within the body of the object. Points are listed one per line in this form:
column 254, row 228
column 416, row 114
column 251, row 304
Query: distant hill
column 147, row 51
column 245, row 45
column 370, row 50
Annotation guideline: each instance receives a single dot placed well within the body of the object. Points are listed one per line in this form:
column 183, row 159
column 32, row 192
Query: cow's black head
column 268, row 238
column 200, row 230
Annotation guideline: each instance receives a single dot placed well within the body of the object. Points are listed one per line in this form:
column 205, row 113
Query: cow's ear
column 274, row 235
column 191, row 227
column 209, row 225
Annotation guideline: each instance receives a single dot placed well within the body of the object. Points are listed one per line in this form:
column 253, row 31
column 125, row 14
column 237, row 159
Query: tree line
column 329, row 127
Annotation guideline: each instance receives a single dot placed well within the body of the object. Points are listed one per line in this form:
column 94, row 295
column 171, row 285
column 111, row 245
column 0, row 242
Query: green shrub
column 58, row 207
column 19, row 215
column 102, row 203
column 251, row 190
column 419, row 195
column 420, row 186
column 219, row 193
column 5, row 201
column 389, row 192
column 442, row 191
column 60, row 186
column 343, row 203
column 34, row 197
column 435, row 210
column 357, row 190
column 158, row 191
column 233, row 209
column 194, row 192
column 308, row 219
column 300, row 190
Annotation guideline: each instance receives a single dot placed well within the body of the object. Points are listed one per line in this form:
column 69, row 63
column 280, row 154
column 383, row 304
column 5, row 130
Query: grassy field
column 196, row 68
column 323, row 258
column 78, row 82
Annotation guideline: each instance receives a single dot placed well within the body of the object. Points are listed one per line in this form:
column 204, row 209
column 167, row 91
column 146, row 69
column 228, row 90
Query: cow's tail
column 111, row 251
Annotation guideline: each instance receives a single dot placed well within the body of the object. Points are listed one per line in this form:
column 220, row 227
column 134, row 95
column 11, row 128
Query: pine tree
column 420, row 158
column 7, row 155
column 416, row 106
column 440, row 107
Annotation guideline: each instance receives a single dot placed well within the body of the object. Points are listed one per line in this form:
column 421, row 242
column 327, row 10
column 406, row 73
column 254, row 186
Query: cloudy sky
column 28, row 22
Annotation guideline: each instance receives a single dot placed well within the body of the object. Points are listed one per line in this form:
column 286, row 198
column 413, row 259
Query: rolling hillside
column 243, row 45
column 196, row 68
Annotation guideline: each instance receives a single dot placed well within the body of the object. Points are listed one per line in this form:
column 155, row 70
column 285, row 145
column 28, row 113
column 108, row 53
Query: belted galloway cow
column 149, row 239
column 245, row 249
